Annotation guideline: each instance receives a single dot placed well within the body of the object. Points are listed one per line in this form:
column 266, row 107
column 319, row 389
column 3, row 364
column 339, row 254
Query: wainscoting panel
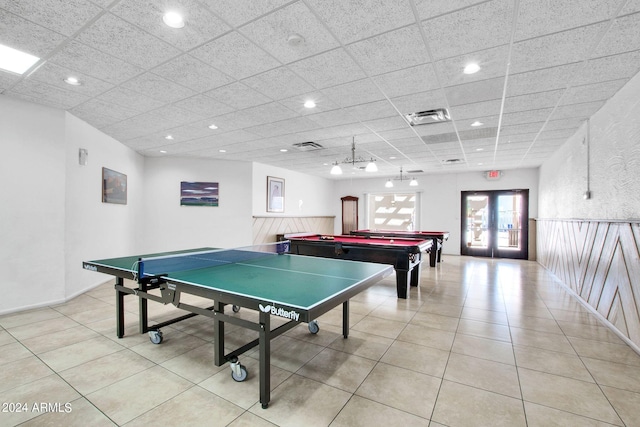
column 266, row 228
column 600, row 262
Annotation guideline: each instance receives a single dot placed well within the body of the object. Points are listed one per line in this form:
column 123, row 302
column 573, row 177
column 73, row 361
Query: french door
column 495, row 224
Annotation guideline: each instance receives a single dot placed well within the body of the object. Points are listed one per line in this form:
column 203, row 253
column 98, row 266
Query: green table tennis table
column 265, row 279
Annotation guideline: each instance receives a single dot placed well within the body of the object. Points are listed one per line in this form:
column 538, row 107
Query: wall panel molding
column 600, row 262
column 266, row 228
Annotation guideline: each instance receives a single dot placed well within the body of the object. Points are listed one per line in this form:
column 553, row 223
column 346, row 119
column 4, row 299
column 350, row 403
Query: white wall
column 440, row 197
column 305, row 195
column 93, row 229
column 614, row 167
column 169, row 226
column 32, row 207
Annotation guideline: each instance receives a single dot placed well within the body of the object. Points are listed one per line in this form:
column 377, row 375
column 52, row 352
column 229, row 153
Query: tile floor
column 481, row 343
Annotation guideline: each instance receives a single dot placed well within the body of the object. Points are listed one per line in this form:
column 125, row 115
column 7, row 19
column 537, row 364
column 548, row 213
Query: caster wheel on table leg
column 314, row 327
column 155, row 336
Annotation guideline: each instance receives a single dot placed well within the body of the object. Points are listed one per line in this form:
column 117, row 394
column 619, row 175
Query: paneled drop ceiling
column 546, row 66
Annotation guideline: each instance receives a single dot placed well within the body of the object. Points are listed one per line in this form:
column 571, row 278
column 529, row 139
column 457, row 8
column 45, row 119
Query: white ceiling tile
column 204, row 106
column 555, row 49
column 238, row 12
column 354, row 93
column 371, row 111
column 238, row 95
column 536, row 18
column 332, row 118
column 130, row 100
column 352, row 20
column 62, row 16
column 7, row 80
column 484, row 90
column 127, row 42
column 266, row 113
column 272, row 32
column 630, row 6
column 532, row 101
column 26, row 36
column 429, row 8
column 584, row 110
column 328, row 69
column 236, row 56
column 387, row 123
column 623, row 36
column 544, row 79
column 624, row 65
column 92, row 62
column 485, row 25
column 390, row 51
column 407, row 81
column 524, row 117
column 592, row 92
column 475, row 110
column 158, row 88
column 278, row 83
column 192, row 73
column 200, row 24
column 106, row 112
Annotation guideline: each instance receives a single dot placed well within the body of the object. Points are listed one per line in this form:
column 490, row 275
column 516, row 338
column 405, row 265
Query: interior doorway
column 495, row 223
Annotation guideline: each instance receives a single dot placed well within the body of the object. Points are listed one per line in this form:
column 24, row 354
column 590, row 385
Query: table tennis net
column 167, row 264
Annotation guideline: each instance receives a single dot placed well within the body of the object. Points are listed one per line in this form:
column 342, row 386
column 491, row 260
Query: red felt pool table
column 403, row 253
column 437, row 237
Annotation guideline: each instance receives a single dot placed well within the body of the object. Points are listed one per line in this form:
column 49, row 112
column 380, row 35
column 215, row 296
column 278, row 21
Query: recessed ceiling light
column 163, row 151
column 212, row 126
column 283, row 150
column 168, row 137
column 310, row 104
column 72, row 81
column 392, row 157
column 222, row 151
column 476, row 123
column 479, row 149
column 173, row 19
column 471, row 68
column 15, row 61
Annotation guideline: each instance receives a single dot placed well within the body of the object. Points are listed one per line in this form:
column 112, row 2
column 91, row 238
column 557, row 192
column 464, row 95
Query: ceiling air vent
column 438, row 115
column 452, row 161
column 308, row 146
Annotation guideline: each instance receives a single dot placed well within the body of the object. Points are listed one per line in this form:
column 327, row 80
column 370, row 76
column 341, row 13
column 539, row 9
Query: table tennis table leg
column 119, row 308
column 345, row 319
column 218, row 334
column 265, row 359
column 142, row 309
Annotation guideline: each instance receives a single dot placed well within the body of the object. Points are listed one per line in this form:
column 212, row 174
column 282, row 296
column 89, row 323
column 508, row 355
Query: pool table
column 437, row 237
column 404, row 254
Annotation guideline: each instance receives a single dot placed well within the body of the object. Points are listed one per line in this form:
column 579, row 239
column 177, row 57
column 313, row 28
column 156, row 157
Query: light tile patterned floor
column 481, row 343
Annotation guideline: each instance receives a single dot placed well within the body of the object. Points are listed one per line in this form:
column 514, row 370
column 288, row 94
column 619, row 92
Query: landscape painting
column 199, row 193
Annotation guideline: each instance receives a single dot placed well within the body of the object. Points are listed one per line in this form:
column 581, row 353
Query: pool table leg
column 402, row 283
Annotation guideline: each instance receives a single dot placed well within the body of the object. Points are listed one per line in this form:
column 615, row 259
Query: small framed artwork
column 199, row 193
column 275, row 194
column 114, row 187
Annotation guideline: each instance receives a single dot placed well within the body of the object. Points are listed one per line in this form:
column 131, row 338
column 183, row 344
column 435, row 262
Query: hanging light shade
column 371, row 167
column 389, row 184
column 414, row 182
column 336, row 169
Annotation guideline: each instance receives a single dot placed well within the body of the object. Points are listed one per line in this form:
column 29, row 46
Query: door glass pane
column 509, row 226
column 477, row 233
column 392, row 211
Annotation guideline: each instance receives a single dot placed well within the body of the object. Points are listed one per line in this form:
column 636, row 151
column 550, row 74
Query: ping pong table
column 265, row 279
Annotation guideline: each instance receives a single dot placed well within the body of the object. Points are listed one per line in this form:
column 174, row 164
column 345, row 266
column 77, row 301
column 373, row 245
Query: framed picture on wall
column 275, row 194
column 114, row 187
column 199, row 193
